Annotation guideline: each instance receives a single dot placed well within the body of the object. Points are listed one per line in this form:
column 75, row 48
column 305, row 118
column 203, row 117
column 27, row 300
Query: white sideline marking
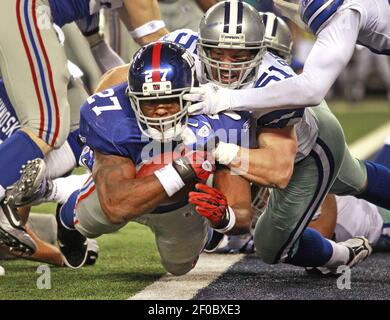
column 208, row 268
column 366, row 146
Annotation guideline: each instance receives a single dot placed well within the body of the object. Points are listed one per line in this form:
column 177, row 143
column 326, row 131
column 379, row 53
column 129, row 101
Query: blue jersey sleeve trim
column 280, row 118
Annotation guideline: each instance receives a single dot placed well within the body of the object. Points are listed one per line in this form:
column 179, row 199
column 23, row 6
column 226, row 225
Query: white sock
column 339, row 257
column 64, row 187
column 60, row 161
column 2, row 192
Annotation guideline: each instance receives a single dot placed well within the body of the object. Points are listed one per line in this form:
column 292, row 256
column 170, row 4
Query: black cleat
column 92, row 252
column 73, row 245
column 32, row 185
column 359, row 249
column 214, row 240
column 12, row 233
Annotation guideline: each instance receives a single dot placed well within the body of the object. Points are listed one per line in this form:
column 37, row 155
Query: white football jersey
column 374, row 23
column 357, row 217
column 273, row 69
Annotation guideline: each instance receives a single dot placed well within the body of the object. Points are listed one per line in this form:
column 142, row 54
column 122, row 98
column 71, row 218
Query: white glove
column 208, row 99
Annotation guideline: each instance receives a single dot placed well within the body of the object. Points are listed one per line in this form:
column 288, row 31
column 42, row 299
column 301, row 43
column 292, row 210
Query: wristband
column 169, row 179
column 231, row 223
column 184, row 169
column 147, row 28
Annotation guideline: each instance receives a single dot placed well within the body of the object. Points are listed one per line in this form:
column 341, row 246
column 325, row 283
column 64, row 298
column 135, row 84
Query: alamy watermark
column 344, row 280
column 44, row 280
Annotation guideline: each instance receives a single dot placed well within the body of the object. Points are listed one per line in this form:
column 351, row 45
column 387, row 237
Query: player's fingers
column 193, row 97
column 203, row 212
column 196, row 108
column 199, row 197
column 208, row 190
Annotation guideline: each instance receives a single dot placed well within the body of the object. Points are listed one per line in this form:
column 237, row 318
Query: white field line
column 208, row 268
column 211, row 266
column 366, row 146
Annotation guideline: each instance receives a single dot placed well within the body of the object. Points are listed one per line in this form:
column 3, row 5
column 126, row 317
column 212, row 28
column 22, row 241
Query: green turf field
column 128, row 259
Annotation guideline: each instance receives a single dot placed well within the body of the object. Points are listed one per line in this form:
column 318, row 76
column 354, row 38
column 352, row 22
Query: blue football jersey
column 67, row 11
column 108, row 124
column 230, row 127
column 9, row 122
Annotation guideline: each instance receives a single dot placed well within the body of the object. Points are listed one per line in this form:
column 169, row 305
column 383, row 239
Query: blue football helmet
column 161, row 70
column 313, row 13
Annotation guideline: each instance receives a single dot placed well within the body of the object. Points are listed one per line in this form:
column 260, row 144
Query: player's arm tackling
column 121, row 196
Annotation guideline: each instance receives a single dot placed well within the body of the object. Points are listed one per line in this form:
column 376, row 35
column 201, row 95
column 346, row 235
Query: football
column 148, row 167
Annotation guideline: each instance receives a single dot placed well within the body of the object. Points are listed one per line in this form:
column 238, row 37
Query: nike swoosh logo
column 196, row 125
column 84, row 162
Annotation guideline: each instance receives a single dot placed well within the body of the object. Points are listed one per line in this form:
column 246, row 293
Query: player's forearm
column 244, row 216
column 328, row 57
column 238, row 194
column 122, row 199
column 152, row 37
column 271, row 165
column 137, row 13
column 307, row 89
column 294, row 92
column 121, row 196
column 267, row 167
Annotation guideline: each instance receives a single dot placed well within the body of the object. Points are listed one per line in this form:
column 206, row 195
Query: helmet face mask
column 165, row 128
column 236, row 27
column 227, row 73
column 159, row 75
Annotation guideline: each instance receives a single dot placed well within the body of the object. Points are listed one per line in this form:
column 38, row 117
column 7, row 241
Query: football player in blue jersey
column 140, row 123
column 339, row 25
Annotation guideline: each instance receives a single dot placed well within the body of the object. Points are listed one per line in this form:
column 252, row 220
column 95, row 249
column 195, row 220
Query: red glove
column 194, row 165
column 212, row 204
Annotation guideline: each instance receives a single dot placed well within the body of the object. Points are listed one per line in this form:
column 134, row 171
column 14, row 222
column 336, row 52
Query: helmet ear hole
column 162, row 71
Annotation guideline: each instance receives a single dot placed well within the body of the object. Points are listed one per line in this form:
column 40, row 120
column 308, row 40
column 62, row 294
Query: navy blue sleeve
column 275, row 70
column 280, row 118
